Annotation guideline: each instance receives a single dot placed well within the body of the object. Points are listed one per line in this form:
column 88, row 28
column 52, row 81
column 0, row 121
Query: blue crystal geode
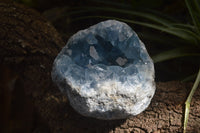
column 105, row 71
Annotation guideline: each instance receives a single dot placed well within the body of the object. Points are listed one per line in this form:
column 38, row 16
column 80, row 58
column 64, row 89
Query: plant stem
column 188, row 101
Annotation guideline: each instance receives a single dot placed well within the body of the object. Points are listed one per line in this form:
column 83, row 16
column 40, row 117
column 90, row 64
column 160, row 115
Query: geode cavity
column 106, row 72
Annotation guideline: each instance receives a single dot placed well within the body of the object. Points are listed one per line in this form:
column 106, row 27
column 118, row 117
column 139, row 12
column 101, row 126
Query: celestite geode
column 106, row 72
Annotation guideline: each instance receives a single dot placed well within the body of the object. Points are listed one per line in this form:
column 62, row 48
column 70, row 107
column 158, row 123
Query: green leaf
column 174, row 53
column 189, row 78
column 183, row 26
column 149, row 16
column 194, row 9
column 160, row 39
column 182, row 33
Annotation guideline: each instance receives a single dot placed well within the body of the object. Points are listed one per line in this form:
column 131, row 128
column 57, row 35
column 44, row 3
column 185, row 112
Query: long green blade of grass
column 194, row 9
column 183, row 26
column 158, row 38
column 189, row 99
column 182, row 33
column 145, row 15
column 172, row 54
column 189, row 78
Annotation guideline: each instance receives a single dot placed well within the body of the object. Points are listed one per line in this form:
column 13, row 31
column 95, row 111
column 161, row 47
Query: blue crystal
column 105, row 55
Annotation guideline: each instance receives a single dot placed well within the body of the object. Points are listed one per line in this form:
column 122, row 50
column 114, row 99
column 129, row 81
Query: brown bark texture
column 28, row 46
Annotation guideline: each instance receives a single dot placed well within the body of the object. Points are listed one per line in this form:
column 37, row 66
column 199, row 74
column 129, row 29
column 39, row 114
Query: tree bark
column 28, row 47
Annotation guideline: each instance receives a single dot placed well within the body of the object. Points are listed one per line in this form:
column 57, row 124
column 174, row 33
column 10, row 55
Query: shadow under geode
column 89, row 125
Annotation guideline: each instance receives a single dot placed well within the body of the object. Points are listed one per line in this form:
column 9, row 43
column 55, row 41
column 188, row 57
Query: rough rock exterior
column 106, row 72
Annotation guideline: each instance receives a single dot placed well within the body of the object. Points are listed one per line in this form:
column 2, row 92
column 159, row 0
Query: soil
column 28, row 46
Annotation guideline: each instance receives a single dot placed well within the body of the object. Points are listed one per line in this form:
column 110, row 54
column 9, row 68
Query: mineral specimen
column 106, row 72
